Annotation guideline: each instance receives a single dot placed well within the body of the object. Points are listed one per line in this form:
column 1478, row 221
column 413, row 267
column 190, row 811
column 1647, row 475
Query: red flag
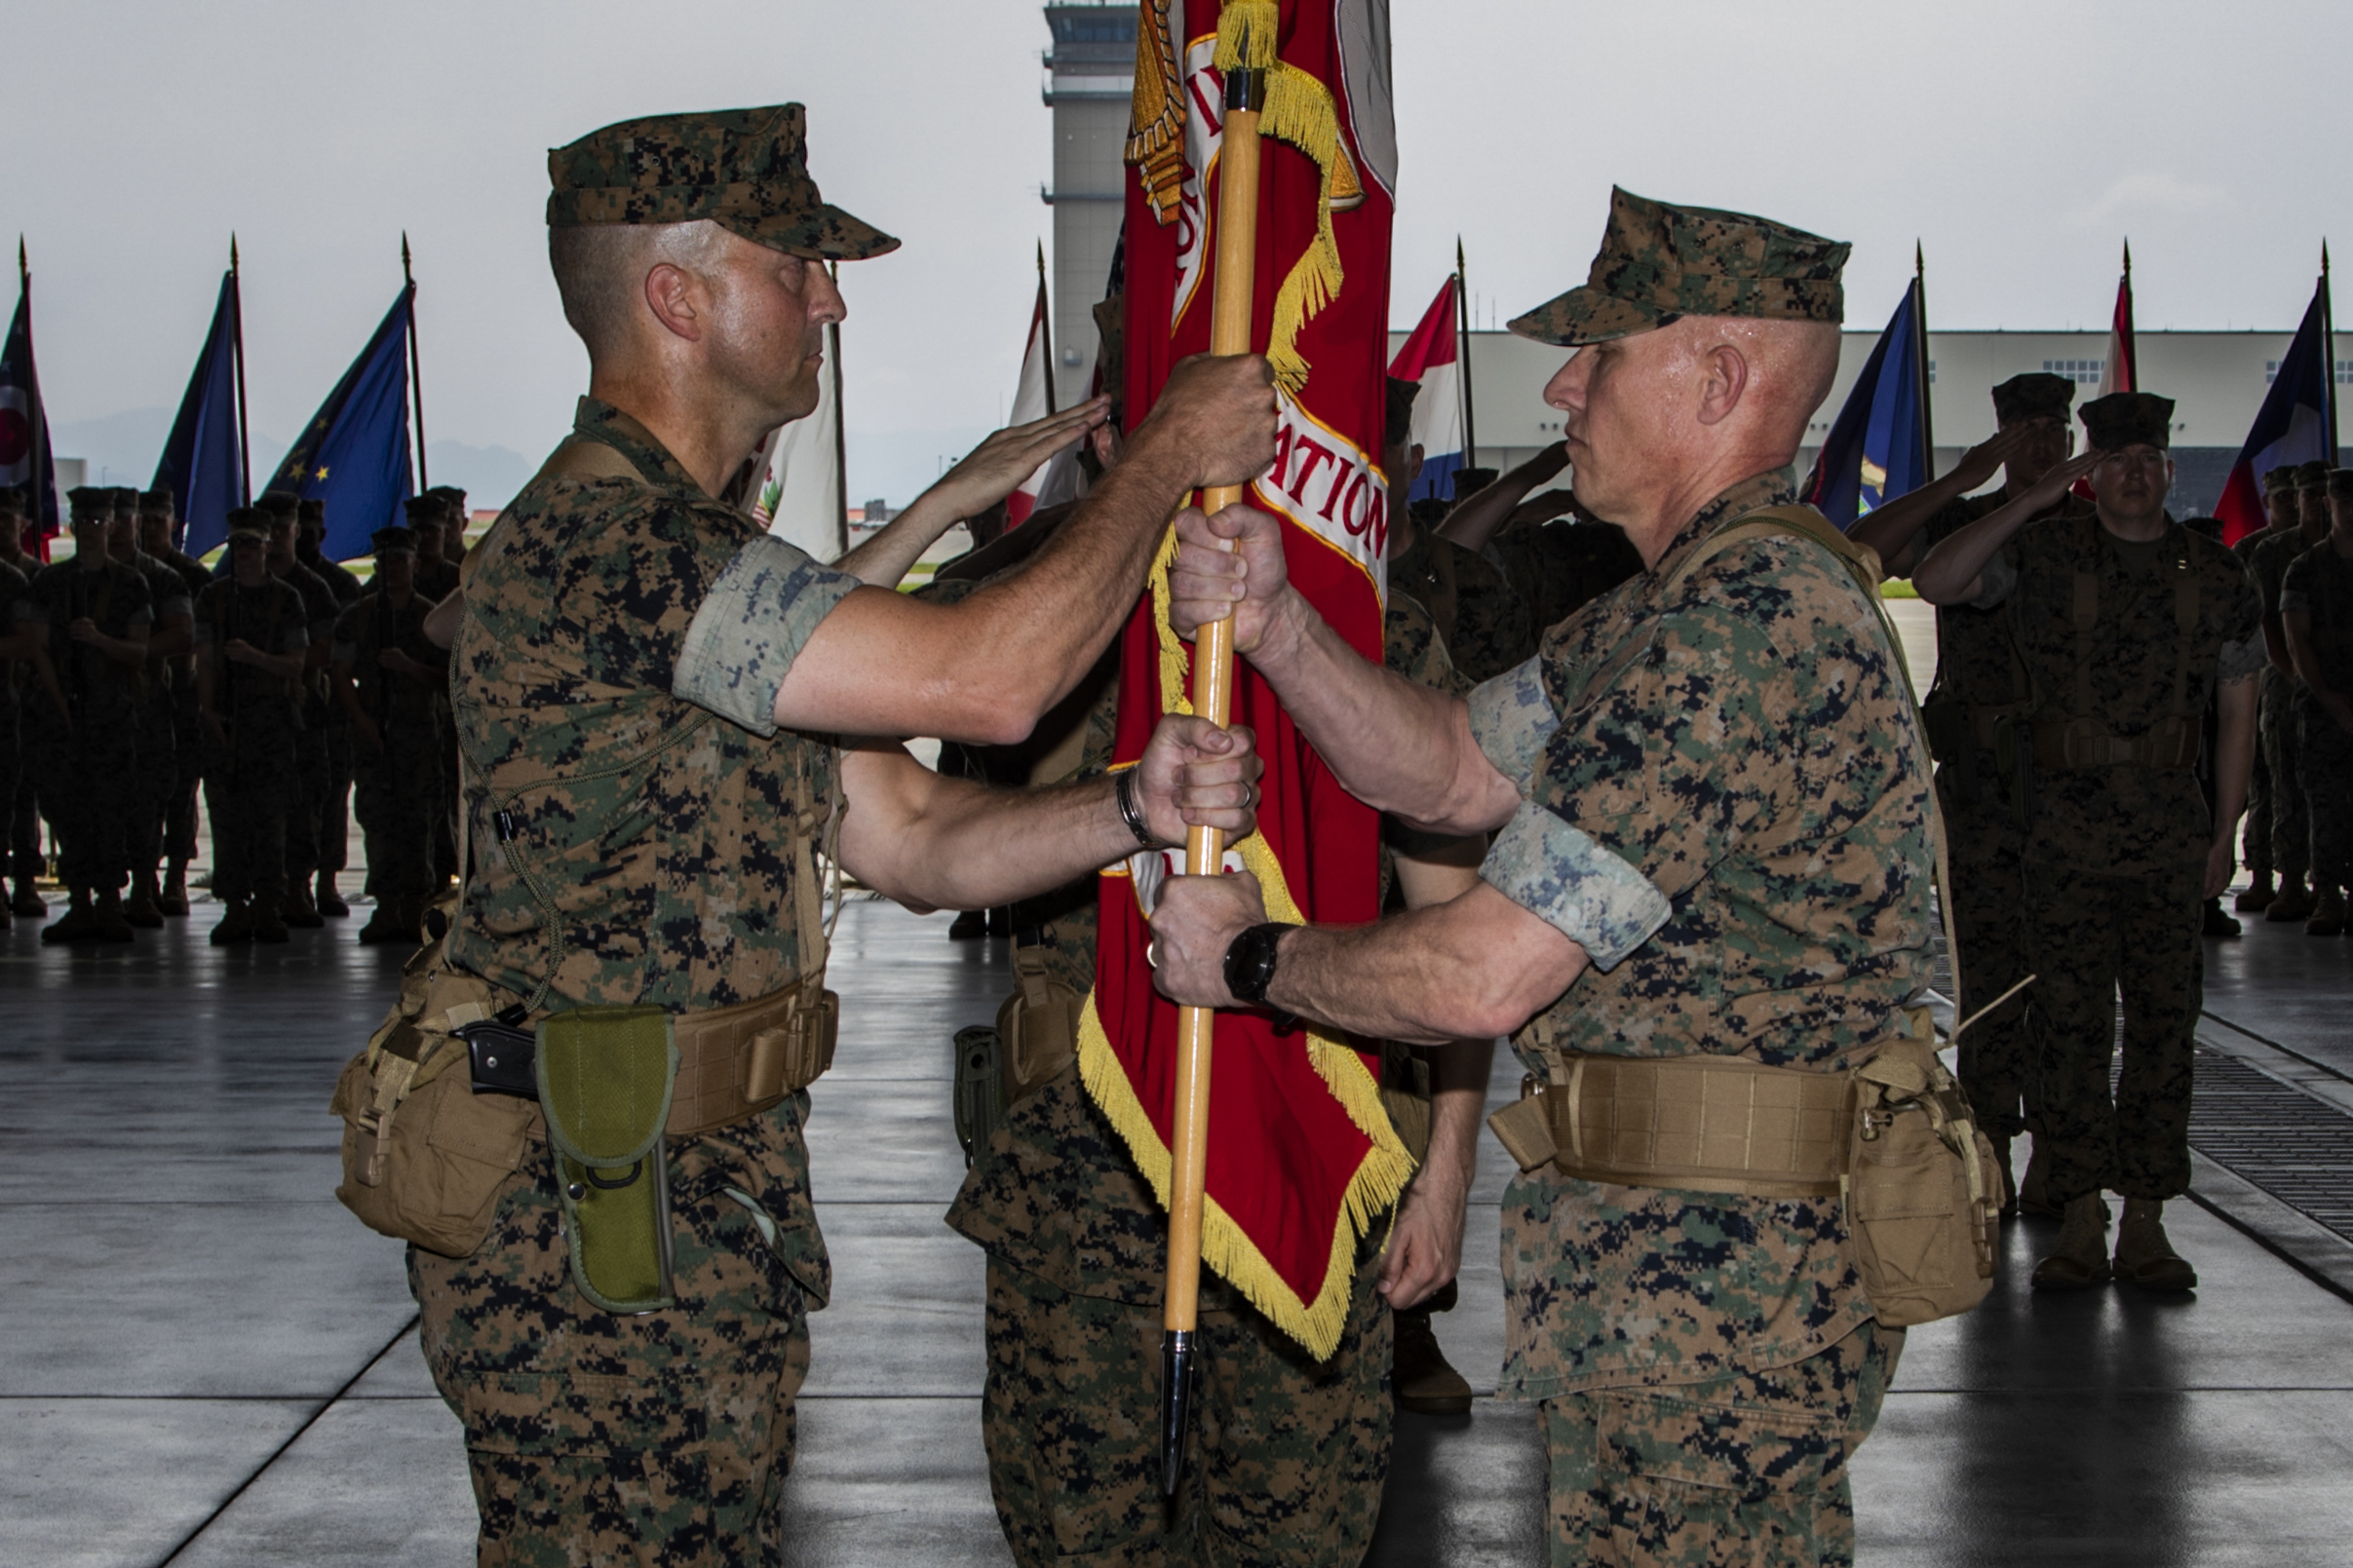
column 2120, row 372
column 1033, row 399
column 1301, row 1157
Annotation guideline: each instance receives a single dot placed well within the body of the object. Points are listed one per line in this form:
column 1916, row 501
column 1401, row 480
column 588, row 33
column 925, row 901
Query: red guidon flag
column 1301, row 1157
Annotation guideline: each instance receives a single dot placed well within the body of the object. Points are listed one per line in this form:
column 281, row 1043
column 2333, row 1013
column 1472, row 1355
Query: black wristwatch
column 1250, row 962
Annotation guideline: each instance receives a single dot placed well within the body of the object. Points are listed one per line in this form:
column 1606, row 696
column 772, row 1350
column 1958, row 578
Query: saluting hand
column 1979, row 463
column 997, row 467
column 2061, row 479
column 1196, row 775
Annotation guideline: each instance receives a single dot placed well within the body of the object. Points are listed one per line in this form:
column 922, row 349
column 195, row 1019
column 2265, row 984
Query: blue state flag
column 354, row 453
column 24, row 455
column 1878, row 448
column 203, row 463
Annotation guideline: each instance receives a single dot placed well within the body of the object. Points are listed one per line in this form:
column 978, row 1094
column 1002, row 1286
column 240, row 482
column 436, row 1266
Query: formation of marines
column 1657, row 805
column 143, row 687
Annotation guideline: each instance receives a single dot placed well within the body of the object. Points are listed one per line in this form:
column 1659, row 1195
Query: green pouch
column 606, row 1075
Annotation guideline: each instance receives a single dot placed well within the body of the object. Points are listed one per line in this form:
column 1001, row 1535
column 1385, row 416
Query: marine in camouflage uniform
column 334, row 795
column 179, row 828
column 82, row 733
column 306, row 821
column 250, row 722
column 19, row 817
column 168, row 646
column 643, row 833
column 2316, row 611
column 2122, row 640
column 1981, row 692
column 2282, row 508
column 1291, row 1452
column 2266, row 562
column 20, row 634
column 1722, row 804
column 388, row 682
column 1484, row 623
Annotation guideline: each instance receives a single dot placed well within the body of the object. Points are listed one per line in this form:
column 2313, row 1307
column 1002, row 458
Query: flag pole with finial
column 245, row 453
column 416, row 376
column 1045, row 328
column 1462, row 355
column 2328, row 333
column 1246, row 48
column 1921, row 370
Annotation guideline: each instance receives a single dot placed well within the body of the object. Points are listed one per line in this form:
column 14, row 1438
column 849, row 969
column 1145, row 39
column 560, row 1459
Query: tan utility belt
column 735, row 1062
column 2083, row 742
column 1702, row 1123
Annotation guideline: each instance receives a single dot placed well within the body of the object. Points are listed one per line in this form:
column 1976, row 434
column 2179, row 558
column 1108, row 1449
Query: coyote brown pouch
column 424, row 1157
column 1036, row 1037
column 605, row 1078
column 1920, row 1195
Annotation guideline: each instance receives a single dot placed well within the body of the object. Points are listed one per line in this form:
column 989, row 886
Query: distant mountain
column 118, row 449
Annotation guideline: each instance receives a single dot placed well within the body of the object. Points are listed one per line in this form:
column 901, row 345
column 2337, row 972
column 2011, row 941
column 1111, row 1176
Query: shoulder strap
column 2085, row 611
column 1860, row 563
column 2186, row 625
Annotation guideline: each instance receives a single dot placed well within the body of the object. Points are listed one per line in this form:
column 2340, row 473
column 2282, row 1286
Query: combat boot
column 2257, row 897
column 2082, row 1258
column 236, row 924
column 2034, row 1195
column 140, row 907
column 107, row 922
column 384, row 926
column 269, row 925
column 2292, row 903
column 2143, row 1256
column 173, row 901
column 2216, row 923
column 73, row 926
column 294, row 909
column 329, row 901
column 2327, row 914
column 1418, row 1374
column 28, row 902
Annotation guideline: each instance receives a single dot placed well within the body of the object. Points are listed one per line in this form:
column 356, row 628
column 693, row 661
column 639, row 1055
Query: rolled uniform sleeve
column 1540, row 861
column 758, row 615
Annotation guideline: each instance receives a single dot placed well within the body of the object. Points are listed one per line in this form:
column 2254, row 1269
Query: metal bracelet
column 1123, row 791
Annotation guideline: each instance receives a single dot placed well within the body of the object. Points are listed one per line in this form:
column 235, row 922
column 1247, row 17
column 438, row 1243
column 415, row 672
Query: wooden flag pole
column 1230, row 322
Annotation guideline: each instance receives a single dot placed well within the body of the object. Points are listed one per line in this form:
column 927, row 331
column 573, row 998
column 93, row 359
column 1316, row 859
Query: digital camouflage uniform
column 1978, row 673
column 1483, row 622
column 15, row 608
column 1724, row 801
column 250, row 767
column 85, row 771
column 2116, row 853
column 2318, row 583
column 336, row 791
column 158, row 719
column 187, row 731
column 629, row 634
column 1559, row 566
column 2255, row 839
column 1290, row 1454
column 305, row 843
column 400, row 786
column 2291, row 829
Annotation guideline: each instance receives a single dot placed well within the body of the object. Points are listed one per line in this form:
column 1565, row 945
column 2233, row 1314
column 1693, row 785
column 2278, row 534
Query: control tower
column 1092, row 73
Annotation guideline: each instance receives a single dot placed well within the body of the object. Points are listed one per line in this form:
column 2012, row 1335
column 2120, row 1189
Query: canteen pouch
column 1525, row 1127
column 1920, row 1198
column 606, row 1075
column 424, row 1157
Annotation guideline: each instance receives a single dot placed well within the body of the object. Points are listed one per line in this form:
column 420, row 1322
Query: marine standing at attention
column 1713, row 805
column 644, row 684
column 2126, row 622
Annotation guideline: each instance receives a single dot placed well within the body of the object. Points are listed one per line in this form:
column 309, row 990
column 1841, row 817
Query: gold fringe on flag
column 1156, row 113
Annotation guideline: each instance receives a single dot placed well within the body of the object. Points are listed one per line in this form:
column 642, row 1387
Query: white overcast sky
column 2018, row 142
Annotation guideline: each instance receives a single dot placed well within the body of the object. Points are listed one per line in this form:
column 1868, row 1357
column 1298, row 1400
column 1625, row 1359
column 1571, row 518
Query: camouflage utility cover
column 2124, row 419
column 1659, row 262
column 2034, row 394
column 1726, row 794
column 745, row 169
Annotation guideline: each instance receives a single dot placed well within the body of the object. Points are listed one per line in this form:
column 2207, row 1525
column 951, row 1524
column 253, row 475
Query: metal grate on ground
column 2294, row 1147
